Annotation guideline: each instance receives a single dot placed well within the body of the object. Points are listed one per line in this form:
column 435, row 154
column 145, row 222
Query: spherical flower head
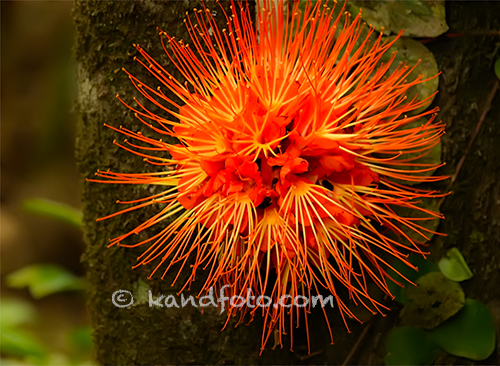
column 290, row 143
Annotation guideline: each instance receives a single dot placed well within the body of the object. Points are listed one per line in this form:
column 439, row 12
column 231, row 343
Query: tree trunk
column 141, row 334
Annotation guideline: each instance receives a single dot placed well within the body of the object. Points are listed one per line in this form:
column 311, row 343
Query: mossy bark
column 472, row 211
column 106, row 31
column 143, row 335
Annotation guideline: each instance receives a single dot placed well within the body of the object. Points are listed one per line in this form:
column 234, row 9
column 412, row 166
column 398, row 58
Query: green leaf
column 81, row 338
column 431, row 159
column 410, row 346
column 15, row 312
column 470, row 333
column 497, row 68
column 454, row 266
column 415, row 53
column 80, row 345
column 17, row 342
column 417, row 18
column 56, row 210
column 340, row 8
column 426, row 221
column 424, row 266
column 44, row 279
column 434, row 300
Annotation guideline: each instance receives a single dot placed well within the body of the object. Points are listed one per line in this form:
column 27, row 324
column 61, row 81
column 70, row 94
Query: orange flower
column 287, row 150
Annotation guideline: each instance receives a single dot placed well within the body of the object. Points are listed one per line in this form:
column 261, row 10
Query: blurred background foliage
column 42, row 321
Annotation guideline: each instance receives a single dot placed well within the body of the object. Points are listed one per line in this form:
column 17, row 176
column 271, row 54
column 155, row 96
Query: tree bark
column 141, row 334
